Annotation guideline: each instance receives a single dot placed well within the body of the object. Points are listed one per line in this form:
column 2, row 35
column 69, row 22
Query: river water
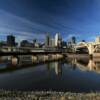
column 74, row 75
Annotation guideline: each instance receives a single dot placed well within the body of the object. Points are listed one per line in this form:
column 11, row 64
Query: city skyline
column 33, row 19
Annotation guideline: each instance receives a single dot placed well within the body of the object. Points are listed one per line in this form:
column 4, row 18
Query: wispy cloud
column 20, row 27
column 11, row 21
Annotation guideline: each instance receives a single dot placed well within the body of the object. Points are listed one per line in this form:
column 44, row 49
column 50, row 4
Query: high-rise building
column 73, row 40
column 52, row 42
column 97, row 39
column 47, row 41
column 34, row 41
column 58, row 40
column 63, row 44
column 3, row 43
column 11, row 40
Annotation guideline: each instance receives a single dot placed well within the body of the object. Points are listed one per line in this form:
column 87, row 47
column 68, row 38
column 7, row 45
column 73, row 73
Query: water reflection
column 72, row 74
column 41, row 76
column 57, row 66
column 86, row 64
column 19, row 62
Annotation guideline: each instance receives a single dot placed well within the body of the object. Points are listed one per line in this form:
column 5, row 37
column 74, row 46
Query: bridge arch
column 89, row 46
column 83, row 43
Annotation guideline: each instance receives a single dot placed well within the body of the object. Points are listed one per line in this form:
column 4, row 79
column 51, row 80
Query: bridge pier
column 89, row 46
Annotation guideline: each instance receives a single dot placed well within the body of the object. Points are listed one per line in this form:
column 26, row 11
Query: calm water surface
column 76, row 75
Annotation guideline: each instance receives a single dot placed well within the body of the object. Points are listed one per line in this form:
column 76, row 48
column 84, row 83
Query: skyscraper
column 58, row 40
column 47, row 41
column 52, row 42
column 11, row 40
column 73, row 40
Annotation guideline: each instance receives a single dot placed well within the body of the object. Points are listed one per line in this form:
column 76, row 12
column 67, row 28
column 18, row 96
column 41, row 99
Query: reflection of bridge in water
column 87, row 64
column 6, row 65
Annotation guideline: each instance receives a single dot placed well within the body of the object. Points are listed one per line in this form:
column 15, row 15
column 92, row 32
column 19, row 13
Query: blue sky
column 29, row 19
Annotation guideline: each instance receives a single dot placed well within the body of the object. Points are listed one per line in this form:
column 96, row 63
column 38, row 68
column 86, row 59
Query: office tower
column 11, row 40
column 34, row 41
column 52, row 42
column 73, row 40
column 58, row 40
column 47, row 41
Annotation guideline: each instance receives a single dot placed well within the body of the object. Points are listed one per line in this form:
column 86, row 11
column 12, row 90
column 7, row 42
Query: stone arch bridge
column 91, row 46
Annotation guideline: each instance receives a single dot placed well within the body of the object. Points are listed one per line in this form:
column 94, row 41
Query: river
column 74, row 75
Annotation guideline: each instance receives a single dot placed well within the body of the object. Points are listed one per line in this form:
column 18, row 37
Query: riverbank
column 49, row 95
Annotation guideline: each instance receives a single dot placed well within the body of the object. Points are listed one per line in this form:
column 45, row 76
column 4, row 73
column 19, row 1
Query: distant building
column 3, row 43
column 71, row 44
column 11, row 40
column 47, row 40
column 64, row 44
column 34, row 41
column 37, row 45
column 73, row 40
column 97, row 39
column 58, row 40
column 83, row 41
column 52, row 42
column 26, row 43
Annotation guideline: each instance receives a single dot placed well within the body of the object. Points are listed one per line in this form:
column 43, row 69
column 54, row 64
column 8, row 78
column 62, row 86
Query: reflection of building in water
column 58, row 68
column 21, row 60
column 3, row 58
column 48, row 66
column 73, row 63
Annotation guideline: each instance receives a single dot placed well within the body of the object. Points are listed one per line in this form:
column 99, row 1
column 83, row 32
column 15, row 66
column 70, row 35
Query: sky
column 29, row 19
